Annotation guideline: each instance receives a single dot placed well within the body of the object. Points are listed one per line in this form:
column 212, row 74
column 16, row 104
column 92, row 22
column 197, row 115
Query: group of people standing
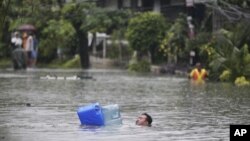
column 24, row 50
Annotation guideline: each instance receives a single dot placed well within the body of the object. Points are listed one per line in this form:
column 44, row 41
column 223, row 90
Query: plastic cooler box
column 111, row 114
column 96, row 115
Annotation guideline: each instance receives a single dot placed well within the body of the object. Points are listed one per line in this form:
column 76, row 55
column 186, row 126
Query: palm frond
column 246, row 71
column 241, row 34
column 217, row 64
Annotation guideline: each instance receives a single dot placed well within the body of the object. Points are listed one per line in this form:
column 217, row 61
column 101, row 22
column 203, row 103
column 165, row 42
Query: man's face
column 142, row 120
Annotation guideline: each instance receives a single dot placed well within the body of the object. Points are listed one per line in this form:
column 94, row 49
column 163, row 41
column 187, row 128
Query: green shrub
column 4, row 50
column 225, row 76
column 241, row 81
column 5, row 63
column 145, row 30
column 140, row 66
column 73, row 63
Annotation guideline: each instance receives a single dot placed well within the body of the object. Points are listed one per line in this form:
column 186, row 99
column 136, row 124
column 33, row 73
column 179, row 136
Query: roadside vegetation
column 62, row 30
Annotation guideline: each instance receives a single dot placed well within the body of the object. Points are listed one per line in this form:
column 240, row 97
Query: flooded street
column 35, row 109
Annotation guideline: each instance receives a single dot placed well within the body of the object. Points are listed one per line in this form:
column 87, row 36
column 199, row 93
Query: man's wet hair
column 149, row 119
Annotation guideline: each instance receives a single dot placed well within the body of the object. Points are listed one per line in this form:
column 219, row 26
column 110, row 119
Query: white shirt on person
column 17, row 41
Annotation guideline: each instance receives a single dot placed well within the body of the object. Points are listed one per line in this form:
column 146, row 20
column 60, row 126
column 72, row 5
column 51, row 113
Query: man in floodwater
column 198, row 73
column 144, row 120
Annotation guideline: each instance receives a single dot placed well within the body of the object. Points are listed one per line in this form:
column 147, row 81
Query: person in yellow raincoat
column 198, row 74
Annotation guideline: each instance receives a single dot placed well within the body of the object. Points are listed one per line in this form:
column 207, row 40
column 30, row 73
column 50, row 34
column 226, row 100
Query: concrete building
column 170, row 8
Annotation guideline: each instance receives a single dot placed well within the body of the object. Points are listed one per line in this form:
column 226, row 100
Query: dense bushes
column 152, row 36
column 145, row 32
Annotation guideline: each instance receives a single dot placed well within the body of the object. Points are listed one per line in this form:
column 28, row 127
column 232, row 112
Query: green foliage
column 140, row 66
column 73, row 63
column 32, row 12
column 77, row 14
column 225, row 76
column 145, row 30
column 241, row 35
column 37, row 13
column 120, row 21
column 59, row 31
column 5, row 63
column 229, row 56
column 241, row 81
column 201, row 43
column 4, row 8
column 57, row 34
column 99, row 21
column 173, row 43
column 58, row 63
column 113, row 52
column 118, row 50
column 4, row 49
column 103, row 20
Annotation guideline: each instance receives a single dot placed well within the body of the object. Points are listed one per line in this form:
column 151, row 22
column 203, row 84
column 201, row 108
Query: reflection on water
column 180, row 110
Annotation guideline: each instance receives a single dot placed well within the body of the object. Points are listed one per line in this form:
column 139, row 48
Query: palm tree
column 232, row 52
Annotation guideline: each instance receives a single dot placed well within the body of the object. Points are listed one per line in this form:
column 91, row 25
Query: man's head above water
column 144, row 120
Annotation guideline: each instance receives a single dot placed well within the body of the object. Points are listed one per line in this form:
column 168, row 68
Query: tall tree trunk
column 152, row 54
column 83, row 49
column 153, row 51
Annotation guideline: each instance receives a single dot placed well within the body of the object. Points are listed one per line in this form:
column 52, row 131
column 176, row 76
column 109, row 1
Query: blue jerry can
column 91, row 115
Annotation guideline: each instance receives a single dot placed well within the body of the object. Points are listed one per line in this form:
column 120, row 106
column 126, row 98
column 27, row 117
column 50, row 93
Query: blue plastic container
column 91, row 115
column 111, row 115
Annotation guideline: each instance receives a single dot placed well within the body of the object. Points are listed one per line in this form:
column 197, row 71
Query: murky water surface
column 180, row 111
